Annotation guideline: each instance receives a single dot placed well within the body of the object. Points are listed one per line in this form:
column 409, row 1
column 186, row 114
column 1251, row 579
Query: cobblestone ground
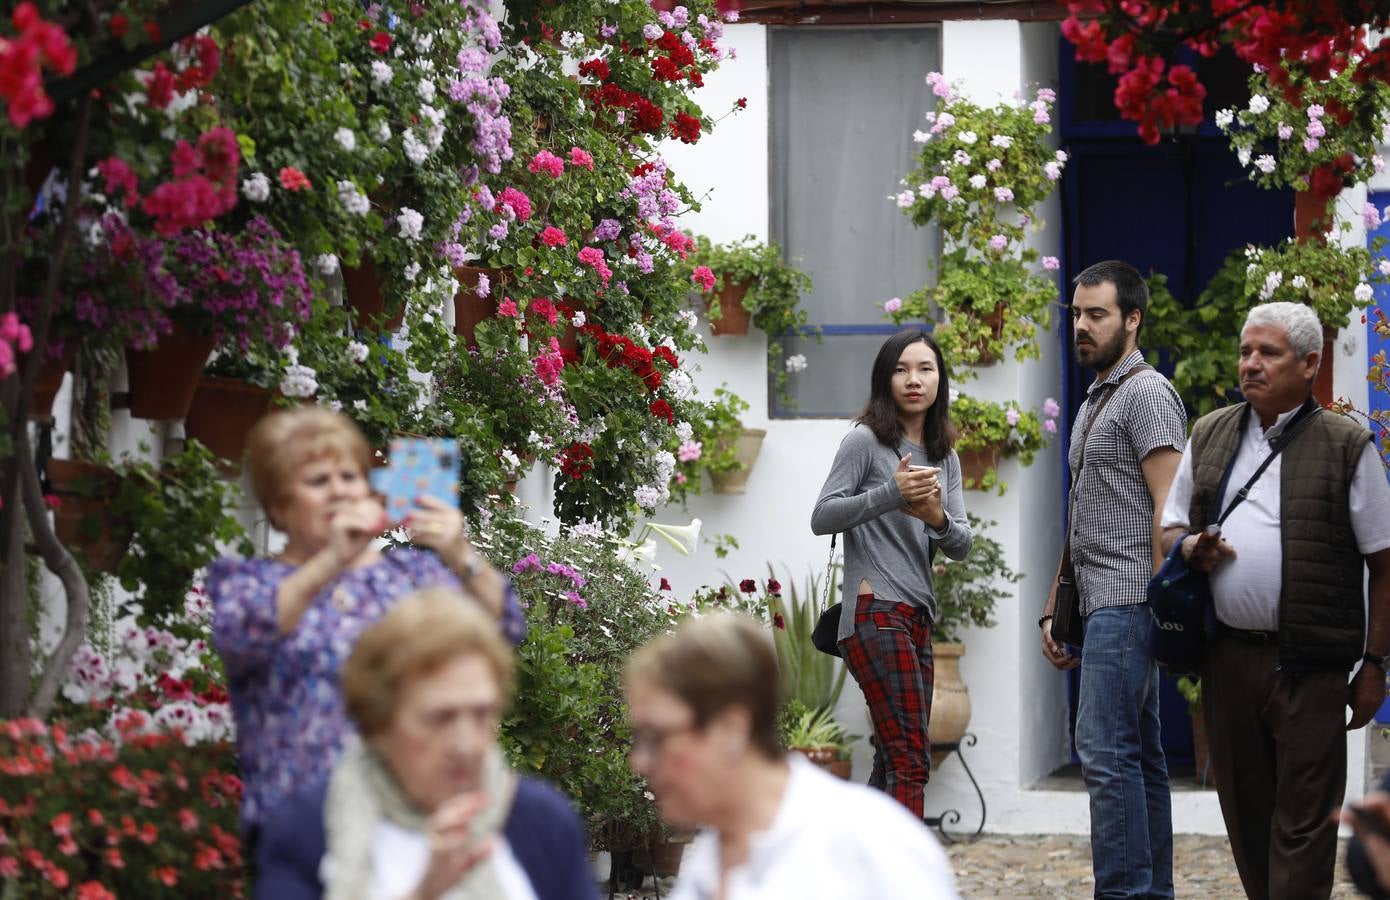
column 1004, row 866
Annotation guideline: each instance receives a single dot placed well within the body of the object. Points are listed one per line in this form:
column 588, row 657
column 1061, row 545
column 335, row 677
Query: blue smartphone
column 418, row 467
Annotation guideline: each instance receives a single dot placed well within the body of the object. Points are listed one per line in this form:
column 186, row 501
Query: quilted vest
column 1321, row 605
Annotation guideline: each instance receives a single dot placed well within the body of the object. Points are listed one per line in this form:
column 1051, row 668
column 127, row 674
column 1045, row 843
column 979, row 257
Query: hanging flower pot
column 746, row 448
column 50, row 380
column 733, row 318
column 470, row 309
column 164, row 377
column 976, row 463
column 83, row 493
column 984, row 349
column 223, row 413
column 364, row 291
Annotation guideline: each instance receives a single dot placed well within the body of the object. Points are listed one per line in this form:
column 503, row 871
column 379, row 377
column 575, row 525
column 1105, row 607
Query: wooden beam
column 888, row 12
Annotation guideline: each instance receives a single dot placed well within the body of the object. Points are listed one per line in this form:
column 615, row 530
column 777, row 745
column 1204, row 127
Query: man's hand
column 1365, row 694
column 1204, row 552
column 1057, row 653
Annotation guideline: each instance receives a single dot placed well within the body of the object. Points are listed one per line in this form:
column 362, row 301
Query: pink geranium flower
column 580, row 157
column 553, row 237
column 508, row 308
column 703, row 277
column 546, row 162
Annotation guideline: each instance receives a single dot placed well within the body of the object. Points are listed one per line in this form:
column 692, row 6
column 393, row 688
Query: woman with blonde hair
column 284, row 624
column 703, row 706
column 424, row 807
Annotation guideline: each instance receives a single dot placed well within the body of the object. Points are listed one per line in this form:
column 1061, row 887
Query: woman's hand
column 439, row 526
column 453, row 851
column 353, row 528
column 929, row 510
column 915, row 484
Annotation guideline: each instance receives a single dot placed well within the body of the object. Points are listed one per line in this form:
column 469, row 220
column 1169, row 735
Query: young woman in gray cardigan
column 895, row 492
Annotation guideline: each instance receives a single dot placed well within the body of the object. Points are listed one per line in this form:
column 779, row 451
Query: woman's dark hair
column 881, row 413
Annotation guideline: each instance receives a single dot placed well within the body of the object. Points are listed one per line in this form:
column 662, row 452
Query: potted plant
column 80, row 494
column 815, row 734
column 1315, row 135
column 981, row 171
column 989, row 430
column 967, row 591
column 752, row 282
column 731, row 449
column 814, row 678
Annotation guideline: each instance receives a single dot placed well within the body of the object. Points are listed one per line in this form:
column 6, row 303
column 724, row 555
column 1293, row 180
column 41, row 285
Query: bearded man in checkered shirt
column 1133, row 428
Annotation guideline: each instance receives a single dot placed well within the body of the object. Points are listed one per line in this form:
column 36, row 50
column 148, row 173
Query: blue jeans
column 1117, row 739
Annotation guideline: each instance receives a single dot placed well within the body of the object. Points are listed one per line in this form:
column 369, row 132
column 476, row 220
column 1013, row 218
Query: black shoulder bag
column 1180, row 596
column 1067, row 625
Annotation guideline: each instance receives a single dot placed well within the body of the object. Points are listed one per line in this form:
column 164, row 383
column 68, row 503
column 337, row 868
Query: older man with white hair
column 1287, row 580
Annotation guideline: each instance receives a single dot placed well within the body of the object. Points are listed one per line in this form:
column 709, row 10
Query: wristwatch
column 1374, row 659
column 1044, row 619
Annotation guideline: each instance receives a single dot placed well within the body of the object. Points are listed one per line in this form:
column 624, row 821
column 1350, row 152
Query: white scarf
column 363, row 792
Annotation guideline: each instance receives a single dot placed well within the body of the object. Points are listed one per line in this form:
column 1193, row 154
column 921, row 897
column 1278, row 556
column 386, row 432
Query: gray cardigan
column 882, row 544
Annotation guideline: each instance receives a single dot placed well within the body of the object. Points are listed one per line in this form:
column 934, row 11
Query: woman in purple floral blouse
column 284, row 625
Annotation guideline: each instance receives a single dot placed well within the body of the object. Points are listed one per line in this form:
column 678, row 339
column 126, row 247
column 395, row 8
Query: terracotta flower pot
column 49, row 381
column 995, row 320
column 164, row 378
column 364, row 290
column 469, row 309
column 733, row 318
column 82, row 520
column 950, row 699
column 664, row 857
column 223, row 413
column 975, row 464
column 746, row 449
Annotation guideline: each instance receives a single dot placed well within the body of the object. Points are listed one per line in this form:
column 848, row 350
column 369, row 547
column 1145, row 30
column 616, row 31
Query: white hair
column 1299, row 322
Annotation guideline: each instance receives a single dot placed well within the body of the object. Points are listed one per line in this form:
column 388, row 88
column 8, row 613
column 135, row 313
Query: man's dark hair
column 1131, row 291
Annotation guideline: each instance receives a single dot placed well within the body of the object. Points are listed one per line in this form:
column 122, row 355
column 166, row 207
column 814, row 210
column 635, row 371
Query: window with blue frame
column 844, row 105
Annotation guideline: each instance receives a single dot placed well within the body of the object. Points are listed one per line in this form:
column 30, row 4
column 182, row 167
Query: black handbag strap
column 1305, row 414
column 1109, row 391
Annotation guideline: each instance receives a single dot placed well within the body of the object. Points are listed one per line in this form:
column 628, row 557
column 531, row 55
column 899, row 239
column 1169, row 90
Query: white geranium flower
column 415, row 149
column 299, row 382
column 326, row 263
column 346, row 139
column 968, row 137
column 383, row 131
column 424, row 41
column 1299, row 282
column 921, row 137
column 1265, row 163
column 1243, row 154
column 961, row 158
column 1224, row 118
column 353, row 200
column 412, row 271
column 1061, row 156
column 1272, row 282
column 426, row 91
column 796, row 363
column 381, row 72
column 410, row 222
column 358, row 351
column 977, row 181
column 1363, row 293
column 1259, row 104
column 1001, row 140
column 256, row 188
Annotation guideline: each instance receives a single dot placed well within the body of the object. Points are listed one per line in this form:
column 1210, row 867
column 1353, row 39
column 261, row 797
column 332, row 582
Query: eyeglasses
column 649, row 741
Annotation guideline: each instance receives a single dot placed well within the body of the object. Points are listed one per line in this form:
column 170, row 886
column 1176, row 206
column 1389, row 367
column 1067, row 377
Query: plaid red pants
column 889, row 654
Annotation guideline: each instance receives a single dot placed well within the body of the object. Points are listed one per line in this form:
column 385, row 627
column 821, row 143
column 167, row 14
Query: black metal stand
column 951, row 816
column 626, row 873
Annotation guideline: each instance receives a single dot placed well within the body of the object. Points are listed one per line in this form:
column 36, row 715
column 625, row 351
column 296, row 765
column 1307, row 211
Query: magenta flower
column 703, row 277
column 508, row 308
column 546, row 162
column 689, row 451
column 998, row 242
column 1011, row 416
column 893, row 305
column 517, row 202
column 1051, row 409
column 1051, row 263
column 583, row 158
column 593, row 256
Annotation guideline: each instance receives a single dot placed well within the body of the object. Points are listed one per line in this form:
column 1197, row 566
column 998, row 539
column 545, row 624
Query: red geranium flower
column 291, row 179
column 380, row 42
column 662, row 410
column 748, row 586
column 686, row 128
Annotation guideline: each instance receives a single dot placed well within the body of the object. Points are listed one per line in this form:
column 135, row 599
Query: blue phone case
column 418, row 466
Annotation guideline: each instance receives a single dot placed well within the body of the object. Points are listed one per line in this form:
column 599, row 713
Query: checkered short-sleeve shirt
column 1112, row 512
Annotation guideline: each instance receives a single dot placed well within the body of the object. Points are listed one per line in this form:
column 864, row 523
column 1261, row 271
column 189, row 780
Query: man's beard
column 1103, row 356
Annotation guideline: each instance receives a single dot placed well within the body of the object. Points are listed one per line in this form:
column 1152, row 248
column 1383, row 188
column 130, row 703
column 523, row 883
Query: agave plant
column 808, row 675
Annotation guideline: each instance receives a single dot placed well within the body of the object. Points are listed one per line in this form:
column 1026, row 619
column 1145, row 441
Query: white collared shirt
column 1246, row 589
column 400, row 857
column 830, row 839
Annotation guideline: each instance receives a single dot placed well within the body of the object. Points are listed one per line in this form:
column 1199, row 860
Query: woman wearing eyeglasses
column 703, row 708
